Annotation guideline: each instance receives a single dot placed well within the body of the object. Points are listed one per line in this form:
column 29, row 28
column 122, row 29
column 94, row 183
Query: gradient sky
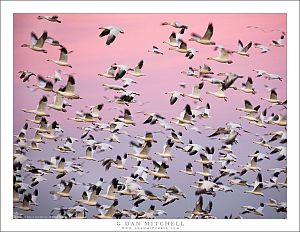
column 142, row 31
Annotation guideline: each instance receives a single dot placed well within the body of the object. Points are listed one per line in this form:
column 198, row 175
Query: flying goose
column 64, row 191
column 191, row 72
column 206, row 39
column 173, row 40
column 121, row 70
column 188, row 170
column 229, row 80
column 207, row 157
column 175, row 24
column 250, row 209
column 273, row 97
column 257, row 187
column 223, row 56
column 247, row 87
column 59, row 103
column 243, row 50
column 196, row 92
column 110, row 72
column 250, row 166
column 118, row 163
column 263, row 48
column 26, row 74
column 206, row 70
column 219, row 94
column 90, row 197
column 112, row 32
column 50, row 18
column 126, row 118
column 156, row 50
column 44, row 84
column 174, row 96
column 143, row 153
column 89, row 154
column 160, row 171
column 185, row 117
column 176, row 137
column 137, row 70
column 181, row 48
column 248, row 107
column 68, row 91
column 25, row 203
column 106, row 212
column 166, row 153
column 41, row 108
column 147, row 138
column 111, row 190
column 63, row 58
column 279, row 42
column 37, row 43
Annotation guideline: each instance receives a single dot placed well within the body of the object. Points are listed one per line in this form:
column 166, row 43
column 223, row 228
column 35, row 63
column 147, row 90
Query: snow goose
column 143, row 153
column 190, row 53
column 243, row 50
column 273, row 97
column 250, row 166
column 173, row 40
column 50, row 18
column 63, row 58
column 110, row 72
column 52, row 41
column 174, row 96
column 247, row 87
column 279, row 119
column 37, row 43
column 41, row 108
column 25, row 75
column 166, row 153
column 122, row 70
column 185, row 117
column 112, row 32
column 257, row 187
column 219, row 94
column 57, row 76
column 68, row 91
column 156, row 50
column 177, row 138
column 34, row 146
column 90, row 197
column 191, row 72
column 64, row 191
column 223, row 56
column 205, row 170
column 25, row 204
column 175, row 24
column 263, row 48
column 279, row 42
column 160, row 170
column 196, row 92
column 126, row 118
column 137, row 72
column 188, row 170
column 181, row 47
column 229, row 80
column 169, row 198
column 206, row 39
column 248, row 107
column 205, row 70
column 118, row 163
column 111, row 190
column 251, row 209
column 128, row 82
column 212, row 79
column 207, row 157
column 59, row 103
column 106, row 212
column 44, row 84
column 89, row 154
column 147, row 138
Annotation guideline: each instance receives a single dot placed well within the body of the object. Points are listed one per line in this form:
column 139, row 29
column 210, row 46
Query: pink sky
column 141, row 31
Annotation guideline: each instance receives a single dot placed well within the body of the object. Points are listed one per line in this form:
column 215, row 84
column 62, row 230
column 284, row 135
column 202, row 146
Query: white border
column 10, row 7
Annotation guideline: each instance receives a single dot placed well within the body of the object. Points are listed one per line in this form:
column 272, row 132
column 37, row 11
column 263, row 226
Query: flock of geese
column 216, row 168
